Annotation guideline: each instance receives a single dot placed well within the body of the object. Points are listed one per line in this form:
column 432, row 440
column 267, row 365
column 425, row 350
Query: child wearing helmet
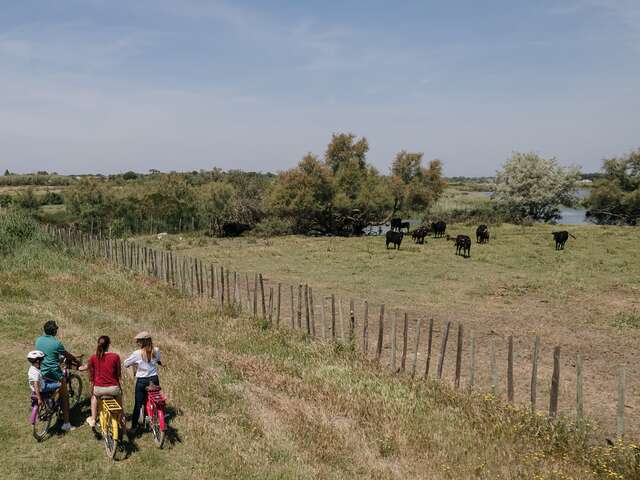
column 36, row 381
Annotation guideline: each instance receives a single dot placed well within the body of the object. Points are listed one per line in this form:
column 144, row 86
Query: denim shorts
column 50, row 387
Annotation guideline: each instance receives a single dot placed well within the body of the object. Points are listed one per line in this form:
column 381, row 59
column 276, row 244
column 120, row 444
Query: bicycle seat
column 153, row 388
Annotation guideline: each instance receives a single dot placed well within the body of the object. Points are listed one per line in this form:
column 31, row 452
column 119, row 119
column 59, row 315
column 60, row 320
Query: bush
column 273, row 227
column 17, row 228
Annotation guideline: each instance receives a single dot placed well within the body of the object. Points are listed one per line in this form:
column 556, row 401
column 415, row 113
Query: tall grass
column 254, row 403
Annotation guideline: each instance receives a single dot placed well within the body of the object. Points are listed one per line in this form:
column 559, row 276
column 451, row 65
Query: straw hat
column 142, row 335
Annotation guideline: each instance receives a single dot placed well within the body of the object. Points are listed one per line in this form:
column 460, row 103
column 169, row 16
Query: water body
column 569, row 216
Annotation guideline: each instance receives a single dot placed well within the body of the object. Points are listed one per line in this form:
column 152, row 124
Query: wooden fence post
column 322, row 318
column 620, row 408
column 312, row 310
column 443, row 349
column 342, row 337
column 221, row 285
column 429, row 344
column 394, row 331
column 352, row 323
column 579, row 398
column 555, row 384
column 299, row 306
column 472, row 365
column 534, row 373
column 293, row 319
column 307, row 317
column 278, row 304
column 264, row 308
column 416, row 347
column 380, row 334
column 510, row 394
column 494, row 369
column 255, row 296
column 365, row 329
column 333, row 316
column 459, row 355
column 405, row 332
column 270, row 309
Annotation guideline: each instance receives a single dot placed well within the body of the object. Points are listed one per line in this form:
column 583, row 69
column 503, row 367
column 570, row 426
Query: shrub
column 17, row 228
column 273, row 227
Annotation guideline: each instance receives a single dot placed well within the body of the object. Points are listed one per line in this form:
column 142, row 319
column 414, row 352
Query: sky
column 108, row 86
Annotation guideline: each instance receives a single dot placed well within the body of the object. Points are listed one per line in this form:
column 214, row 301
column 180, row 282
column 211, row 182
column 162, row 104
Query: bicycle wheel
column 110, row 436
column 158, row 433
column 74, row 387
column 43, row 423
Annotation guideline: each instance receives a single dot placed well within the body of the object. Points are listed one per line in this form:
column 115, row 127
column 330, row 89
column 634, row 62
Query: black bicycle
column 42, row 415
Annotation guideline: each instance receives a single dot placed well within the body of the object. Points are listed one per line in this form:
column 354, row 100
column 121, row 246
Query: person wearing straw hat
column 145, row 360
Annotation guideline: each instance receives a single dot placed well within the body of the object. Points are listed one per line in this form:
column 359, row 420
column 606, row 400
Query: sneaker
column 91, row 422
column 67, row 427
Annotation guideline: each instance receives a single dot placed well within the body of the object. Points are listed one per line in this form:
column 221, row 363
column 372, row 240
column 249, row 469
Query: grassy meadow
column 253, row 403
column 585, row 299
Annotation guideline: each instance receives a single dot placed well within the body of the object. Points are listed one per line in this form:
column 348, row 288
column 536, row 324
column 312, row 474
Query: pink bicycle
column 155, row 414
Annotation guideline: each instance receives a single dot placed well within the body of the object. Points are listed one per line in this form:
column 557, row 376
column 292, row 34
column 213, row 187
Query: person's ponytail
column 103, row 345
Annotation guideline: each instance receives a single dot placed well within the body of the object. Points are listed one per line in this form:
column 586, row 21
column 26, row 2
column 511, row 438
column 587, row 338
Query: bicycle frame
column 156, row 401
column 109, row 419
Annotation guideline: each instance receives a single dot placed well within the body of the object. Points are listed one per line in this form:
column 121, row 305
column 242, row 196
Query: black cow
column 396, row 224
column 395, row 238
column 438, row 228
column 419, row 234
column 233, row 229
column 463, row 246
column 561, row 238
column 482, row 234
column 404, row 225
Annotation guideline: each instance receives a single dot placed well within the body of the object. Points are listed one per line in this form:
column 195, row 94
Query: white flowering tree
column 534, row 187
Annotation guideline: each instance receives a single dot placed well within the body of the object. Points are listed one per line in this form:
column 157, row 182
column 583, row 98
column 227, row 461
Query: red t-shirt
column 105, row 372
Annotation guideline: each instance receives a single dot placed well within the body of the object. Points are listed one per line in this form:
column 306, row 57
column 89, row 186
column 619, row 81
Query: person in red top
column 104, row 374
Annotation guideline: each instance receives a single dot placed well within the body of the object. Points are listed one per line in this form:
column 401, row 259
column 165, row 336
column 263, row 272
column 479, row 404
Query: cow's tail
column 571, row 235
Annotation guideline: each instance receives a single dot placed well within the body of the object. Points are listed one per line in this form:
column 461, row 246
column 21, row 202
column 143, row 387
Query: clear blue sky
column 107, row 85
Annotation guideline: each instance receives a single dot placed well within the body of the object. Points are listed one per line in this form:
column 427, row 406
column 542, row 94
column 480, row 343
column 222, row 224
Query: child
column 36, row 381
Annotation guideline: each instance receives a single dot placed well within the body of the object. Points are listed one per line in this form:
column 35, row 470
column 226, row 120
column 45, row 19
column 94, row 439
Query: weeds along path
column 584, row 299
column 249, row 403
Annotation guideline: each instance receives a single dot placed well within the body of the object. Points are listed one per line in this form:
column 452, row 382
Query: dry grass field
column 251, row 403
column 585, row 299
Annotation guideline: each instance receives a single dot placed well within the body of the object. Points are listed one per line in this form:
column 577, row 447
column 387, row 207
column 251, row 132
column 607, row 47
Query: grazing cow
column 420, row 233
column 394, row 238
column 233, row 229
column 482, row 234
column 463, row 245
column 396, row 224
column 404, row 225
column 438, row 228
column 561, row 238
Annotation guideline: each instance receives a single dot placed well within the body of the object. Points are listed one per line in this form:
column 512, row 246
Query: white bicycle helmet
column 35, row 354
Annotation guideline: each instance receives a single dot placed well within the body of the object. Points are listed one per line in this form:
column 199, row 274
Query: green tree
column 534, row 187
column 304, row 195
column 616, row 197
column 171, row 203
column 414, row 187
column 344, row 148
column 216, row 204
column 90, row 202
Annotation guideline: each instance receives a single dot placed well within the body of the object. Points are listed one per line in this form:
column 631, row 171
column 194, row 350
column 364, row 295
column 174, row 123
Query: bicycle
column 42, row 415
column 155, row 418
column 110, row 419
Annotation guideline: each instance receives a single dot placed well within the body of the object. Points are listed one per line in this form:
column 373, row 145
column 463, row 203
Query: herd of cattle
column 462, row 242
